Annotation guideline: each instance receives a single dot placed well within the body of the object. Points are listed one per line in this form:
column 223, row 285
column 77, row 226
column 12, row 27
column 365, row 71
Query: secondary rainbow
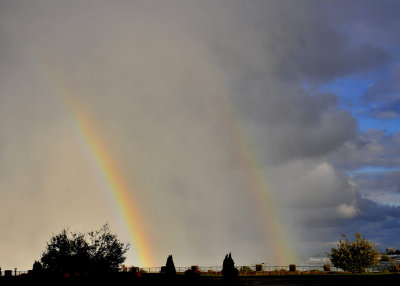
column 120, row 191
column 259, row 189
column 122, row 194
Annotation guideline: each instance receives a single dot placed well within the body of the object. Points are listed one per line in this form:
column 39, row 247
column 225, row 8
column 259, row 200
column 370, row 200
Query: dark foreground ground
column 150, row 280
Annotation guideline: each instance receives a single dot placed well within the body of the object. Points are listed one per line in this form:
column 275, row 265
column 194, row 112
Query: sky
column 197, row 128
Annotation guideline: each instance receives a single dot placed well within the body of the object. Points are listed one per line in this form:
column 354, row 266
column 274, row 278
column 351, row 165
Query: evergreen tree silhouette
column 229, row 272
column 170, row 270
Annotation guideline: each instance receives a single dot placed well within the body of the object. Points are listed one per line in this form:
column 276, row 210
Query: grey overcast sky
column 261, row 128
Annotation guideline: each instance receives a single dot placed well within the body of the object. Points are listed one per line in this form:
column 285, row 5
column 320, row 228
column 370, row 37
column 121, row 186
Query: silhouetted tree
column 37, row 268
column 229, row 272
column 170, row 267
column 106, row 252
column 66, row 252
column 354, row 256
column 70, row 252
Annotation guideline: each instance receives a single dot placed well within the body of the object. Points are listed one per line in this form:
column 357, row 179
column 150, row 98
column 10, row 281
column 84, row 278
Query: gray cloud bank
column 177, row 88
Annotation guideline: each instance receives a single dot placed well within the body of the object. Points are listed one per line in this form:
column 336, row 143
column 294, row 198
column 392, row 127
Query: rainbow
column 257, row 181
column 119, row 189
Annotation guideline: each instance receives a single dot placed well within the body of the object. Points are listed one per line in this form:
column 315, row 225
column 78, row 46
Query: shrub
column 327, row 267
column 245, row 269
column 354, row 256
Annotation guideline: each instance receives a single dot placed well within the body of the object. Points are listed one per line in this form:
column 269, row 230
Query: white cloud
column 347, row 211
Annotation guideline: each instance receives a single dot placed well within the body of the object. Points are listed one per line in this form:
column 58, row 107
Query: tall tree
column 170, row 270
column 229, row 271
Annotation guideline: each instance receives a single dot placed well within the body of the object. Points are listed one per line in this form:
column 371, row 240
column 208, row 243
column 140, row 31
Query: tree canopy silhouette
column 94, row 252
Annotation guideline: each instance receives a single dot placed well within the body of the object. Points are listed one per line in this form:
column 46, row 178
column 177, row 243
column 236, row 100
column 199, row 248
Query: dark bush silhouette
column 327, row 267
column 37, row 268
column 70, row 252
column 193, row 273
column 170, row 270
column 229, row 272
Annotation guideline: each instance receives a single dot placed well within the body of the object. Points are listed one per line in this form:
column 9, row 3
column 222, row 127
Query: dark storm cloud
column 332, row 58
column 376, row 22
column 377, row 222
column 304, row 42
column 299, row 126
column 368, row 20
column 378, row 181
column 302, row 134
column 371, row 148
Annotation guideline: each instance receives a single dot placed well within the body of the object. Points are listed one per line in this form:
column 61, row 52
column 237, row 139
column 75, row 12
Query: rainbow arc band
column 121, row 193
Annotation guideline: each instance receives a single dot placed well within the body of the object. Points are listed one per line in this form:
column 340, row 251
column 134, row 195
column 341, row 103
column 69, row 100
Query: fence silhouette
column 252, row 268
column 247, row 270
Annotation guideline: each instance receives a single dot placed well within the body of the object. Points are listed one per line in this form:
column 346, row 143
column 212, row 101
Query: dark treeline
column 96, row 257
